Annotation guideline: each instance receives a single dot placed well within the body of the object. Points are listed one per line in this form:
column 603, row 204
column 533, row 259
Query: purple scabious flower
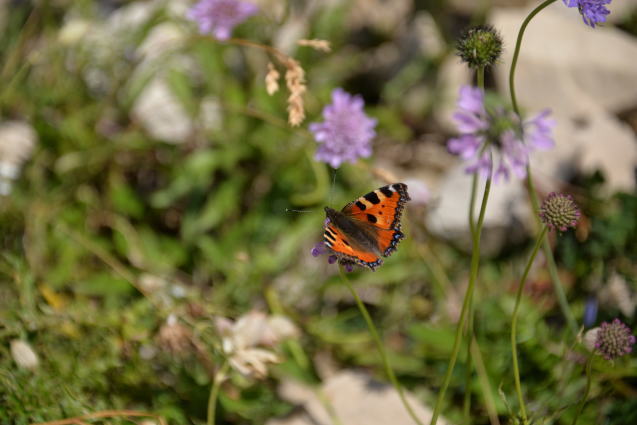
column 219, row 17
column 346, row 132
column 614, row 340
column 593, row 11
column 490, row 134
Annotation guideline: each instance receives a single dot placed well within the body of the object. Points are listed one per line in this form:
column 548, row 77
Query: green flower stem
column 214, row 392
column 475, row 263
column 472, row 203
column 514, row 323
column 580, row 406
column 516, row 52
column 483, row 377
column 379, row 346
column 557, row 284
column 466, row 409
column 550, row 261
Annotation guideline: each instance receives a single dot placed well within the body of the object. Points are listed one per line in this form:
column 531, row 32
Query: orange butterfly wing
column 347, row 250
column 382, row 209
column 373, row 222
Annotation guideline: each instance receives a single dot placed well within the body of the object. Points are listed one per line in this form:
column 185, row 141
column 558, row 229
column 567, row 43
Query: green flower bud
column 480, row 46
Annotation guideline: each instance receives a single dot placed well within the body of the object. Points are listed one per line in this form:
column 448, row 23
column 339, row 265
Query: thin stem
column 557, row 284
column 580, row 406
column 550, row 260
column 514, row 323
column 472, row 228
column 285, row 59
column 214, row 393
column 380, row 347
column 483, row 376
column 516, row 52
column 475, row 262
column 469, row 368
column 472, row 203
column 480, row 77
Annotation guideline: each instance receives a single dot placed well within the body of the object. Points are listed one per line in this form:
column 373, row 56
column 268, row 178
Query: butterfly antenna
column 299, row 211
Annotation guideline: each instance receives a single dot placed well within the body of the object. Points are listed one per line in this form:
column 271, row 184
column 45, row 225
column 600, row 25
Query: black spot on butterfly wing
column 371, row 218
column 360, row 205
column 373, row 198
column 386, row 191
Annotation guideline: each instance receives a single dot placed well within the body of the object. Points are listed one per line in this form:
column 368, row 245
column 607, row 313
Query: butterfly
column 368, row 228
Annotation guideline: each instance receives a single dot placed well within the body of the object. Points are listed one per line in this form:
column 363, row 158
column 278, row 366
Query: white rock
column 617, row 294
column 211, row 113
column 584, row 75
column 17, row 140
column 355, row 399
column 453, row 75
column 620, row 10
column 585, row 144
column 161, row 114
column 161, row 40
column 507, row 216
column 430, row 39
column 567, row 65
column 23, row 354
column 385, row 16
column 473, row 6
column 418, row 191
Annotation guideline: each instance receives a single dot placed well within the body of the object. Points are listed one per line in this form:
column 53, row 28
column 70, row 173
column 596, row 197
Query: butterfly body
column 368, row 228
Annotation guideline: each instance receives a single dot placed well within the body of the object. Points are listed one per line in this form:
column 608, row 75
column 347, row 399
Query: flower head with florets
column 479, row 46
column 593, row 11
column 559, row 211
column 346, row 132
column 219, row 17
column 614, row 339
column 490, row 133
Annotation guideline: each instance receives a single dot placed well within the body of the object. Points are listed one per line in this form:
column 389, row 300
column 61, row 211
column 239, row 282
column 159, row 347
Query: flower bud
column 480, row 46
column 559, row 211
column 614, row 340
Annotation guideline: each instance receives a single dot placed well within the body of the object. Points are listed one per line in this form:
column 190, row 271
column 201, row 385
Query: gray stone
column 507, row 216
column 351, row 398
column 584, row 76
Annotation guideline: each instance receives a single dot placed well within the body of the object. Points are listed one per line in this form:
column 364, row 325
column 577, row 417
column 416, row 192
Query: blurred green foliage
column 103, row 207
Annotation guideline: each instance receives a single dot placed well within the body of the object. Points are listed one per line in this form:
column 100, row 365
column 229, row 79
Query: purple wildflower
column 491, row 134
column 219, row 17
column 320, row 248
column 614, row 340
column 346, row 132
column 593, row 11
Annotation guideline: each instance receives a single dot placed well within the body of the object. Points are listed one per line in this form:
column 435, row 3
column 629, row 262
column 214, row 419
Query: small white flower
column 23, row 354
column 253, row 361
column 241, row 340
